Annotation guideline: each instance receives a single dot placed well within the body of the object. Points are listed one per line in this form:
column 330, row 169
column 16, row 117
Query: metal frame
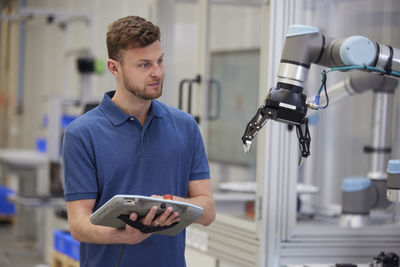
column 283, row 241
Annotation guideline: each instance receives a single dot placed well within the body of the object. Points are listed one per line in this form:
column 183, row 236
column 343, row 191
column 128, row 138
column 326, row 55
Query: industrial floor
column 16, row 252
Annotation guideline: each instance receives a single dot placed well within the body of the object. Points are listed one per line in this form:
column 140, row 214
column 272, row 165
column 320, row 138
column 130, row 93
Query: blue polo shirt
column 107, row 152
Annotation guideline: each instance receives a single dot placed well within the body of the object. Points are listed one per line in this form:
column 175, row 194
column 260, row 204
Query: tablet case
column 115, row 213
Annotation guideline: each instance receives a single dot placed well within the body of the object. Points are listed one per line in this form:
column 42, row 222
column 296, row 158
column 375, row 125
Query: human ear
column 113, row 66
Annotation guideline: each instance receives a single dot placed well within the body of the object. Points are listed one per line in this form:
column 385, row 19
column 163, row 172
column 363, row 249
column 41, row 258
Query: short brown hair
column 130, row 32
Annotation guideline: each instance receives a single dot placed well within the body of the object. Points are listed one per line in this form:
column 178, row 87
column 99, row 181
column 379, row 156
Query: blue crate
column 6, row 208
column 73, row 248
column 59, row 241
column 66, row 244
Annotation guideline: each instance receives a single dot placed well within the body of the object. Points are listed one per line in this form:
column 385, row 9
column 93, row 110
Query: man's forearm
column 206, row 202
column 84, row 231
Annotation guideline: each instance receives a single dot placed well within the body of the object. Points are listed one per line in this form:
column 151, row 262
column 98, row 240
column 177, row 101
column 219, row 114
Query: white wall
column 235, row 27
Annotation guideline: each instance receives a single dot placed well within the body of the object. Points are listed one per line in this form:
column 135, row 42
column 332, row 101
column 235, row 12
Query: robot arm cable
column 346, row 68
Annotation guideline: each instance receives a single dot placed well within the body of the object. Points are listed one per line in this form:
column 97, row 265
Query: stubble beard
column 142, row 93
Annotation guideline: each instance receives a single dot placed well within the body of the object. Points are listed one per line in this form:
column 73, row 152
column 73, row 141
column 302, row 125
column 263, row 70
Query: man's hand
column 199, row 193
column 167, row 218
column 133, row 235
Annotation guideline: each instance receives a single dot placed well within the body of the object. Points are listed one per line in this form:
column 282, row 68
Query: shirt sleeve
column 79, row 168
column 199, row 169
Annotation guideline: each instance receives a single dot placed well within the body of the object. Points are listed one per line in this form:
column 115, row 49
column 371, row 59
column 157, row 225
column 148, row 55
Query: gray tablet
column 115, row 212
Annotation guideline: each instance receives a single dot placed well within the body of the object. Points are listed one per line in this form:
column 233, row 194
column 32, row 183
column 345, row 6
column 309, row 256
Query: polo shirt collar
column 157, row 109
column 117, row 116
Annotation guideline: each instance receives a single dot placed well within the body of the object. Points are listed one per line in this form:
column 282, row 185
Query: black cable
column 120, row 255
column 388, row 67
column 326, row 94
column 323, row 85
column 387, row 71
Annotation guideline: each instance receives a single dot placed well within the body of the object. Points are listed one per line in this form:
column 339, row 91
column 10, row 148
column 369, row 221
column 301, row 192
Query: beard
column 145, row 92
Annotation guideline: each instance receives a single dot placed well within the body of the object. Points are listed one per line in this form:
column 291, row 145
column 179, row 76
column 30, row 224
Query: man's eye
column 144, row 65
column 160, row 61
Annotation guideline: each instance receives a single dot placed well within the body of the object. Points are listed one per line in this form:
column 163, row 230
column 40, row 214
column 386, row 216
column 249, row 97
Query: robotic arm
column 305, row 45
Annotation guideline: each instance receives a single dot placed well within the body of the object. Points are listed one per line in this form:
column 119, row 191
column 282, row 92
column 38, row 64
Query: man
column 133, row 144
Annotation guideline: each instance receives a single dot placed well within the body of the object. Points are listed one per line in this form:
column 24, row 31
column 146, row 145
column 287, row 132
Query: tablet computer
column 109, row 213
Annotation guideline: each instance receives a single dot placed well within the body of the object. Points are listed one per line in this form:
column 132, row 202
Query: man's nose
column 157, row 70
